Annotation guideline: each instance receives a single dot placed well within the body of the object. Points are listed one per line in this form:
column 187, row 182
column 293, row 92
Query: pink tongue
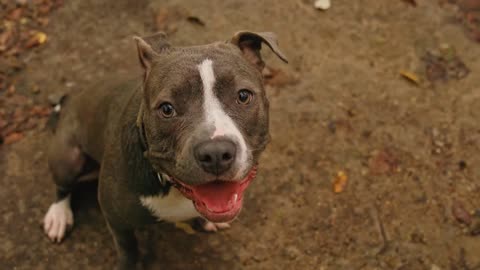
column 218, row 196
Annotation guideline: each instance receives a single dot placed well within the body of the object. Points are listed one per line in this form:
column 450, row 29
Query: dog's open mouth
column 217, row 201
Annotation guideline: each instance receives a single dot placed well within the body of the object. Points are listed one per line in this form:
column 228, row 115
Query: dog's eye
column 244, row 96
column 166, row 110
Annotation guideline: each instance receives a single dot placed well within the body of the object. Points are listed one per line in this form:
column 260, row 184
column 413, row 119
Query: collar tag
column 161, row 179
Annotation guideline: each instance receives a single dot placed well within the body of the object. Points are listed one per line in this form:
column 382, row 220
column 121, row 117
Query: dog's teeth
column 235, row 197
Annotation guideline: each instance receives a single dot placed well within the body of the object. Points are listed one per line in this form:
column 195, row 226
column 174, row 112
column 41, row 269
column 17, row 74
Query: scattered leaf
column 195, row 20
column 460, row 214
column 444, row 64
column 410, row 76
column 11, row 90
column 161, row 18
column 277, row 77
column 340, row 182
column 35, row 89
column 40, row 111
column 382, row 162
column 462, row 165
column 15, row 14
column 13, row 138
column 475, row 228
column 43, row 21
column 5, row 37
column 166, row 18
column 187, row 228
column 37, row 39
column 411, row 2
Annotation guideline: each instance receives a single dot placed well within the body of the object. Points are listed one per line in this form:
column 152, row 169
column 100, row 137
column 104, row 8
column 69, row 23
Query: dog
column 179, row 143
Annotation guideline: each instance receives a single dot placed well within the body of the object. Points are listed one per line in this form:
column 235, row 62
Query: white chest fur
column 173, row 207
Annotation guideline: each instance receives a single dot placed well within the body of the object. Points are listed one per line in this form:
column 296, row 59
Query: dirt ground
column 410, row 152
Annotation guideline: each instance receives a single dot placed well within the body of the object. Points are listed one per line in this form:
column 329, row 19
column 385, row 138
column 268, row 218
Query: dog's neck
column 135, row 146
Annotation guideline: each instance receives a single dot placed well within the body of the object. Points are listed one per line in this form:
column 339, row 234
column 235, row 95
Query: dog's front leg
column 126, row 246
column 123, row 233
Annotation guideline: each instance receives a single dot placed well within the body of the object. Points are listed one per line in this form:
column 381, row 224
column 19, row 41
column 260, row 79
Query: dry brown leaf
column 36, row 39
column 411, row 2
column 410, row 76
column 277, row 77
column 460, row 214
column 40, row 111
column 43, row 21
column 11, row 90
column 15, row 14
column 13, row 138
column 196, row 20
column 382, row 162
column 5, row 38
column 340, row 182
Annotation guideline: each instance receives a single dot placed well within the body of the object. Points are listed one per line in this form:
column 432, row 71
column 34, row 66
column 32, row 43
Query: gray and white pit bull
column 182, row 143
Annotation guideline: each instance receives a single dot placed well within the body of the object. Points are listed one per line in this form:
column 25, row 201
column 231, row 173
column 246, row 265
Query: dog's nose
column 215, row 156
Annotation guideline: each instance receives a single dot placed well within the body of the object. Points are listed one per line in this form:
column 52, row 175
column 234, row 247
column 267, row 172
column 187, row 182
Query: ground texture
column 410, row 151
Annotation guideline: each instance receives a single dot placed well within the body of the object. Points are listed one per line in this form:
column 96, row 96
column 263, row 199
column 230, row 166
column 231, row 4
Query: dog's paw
column 58, row 220
column 209, row 226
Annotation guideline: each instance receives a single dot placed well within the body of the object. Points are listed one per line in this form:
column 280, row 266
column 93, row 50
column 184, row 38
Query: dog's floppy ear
column 250, row 44
column 150, row 47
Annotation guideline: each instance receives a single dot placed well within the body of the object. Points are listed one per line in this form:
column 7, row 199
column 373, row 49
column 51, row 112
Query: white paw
column 58, row 220
column 213, row 227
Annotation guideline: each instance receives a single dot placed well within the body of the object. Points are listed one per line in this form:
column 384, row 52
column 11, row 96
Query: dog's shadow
column 161, row 245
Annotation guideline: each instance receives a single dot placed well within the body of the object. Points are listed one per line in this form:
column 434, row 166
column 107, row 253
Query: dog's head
column 205, row 116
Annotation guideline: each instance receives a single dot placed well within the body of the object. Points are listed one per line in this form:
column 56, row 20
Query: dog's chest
column 173, row 207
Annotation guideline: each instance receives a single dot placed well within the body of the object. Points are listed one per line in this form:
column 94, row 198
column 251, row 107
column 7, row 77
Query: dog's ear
column 157, row 41
column 150, row 47
column 250, row 44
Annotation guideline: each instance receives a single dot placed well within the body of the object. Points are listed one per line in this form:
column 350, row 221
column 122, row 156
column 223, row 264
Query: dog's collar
column 141, row 129
column 162, row 178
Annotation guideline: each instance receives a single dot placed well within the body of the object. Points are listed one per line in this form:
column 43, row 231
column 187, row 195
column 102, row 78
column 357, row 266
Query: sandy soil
column 410, row 152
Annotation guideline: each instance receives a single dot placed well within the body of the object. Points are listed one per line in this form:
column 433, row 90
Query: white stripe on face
column 215, row 116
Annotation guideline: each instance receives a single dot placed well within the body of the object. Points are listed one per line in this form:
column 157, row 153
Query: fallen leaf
column 166, row 19
column 11, row 90
column 340, row 182
column 460, row 214
column 475, row 228
column 277, row 77
column 35, row 89
column 410, row 76
column 15, row 14
column 411, row 2
column 469, row 5
column 43, row 21
column 196, row 20
column 444, row 65
column 187, row 228
column 5, row 38
column 36, row 39
column 44, row 9
column 3, row 123
column 382, row 162
column 13, row 138
column 40, row 111
column 161, row 18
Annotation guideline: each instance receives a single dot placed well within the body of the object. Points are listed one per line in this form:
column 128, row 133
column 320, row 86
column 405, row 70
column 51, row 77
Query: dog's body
column 191, row 131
